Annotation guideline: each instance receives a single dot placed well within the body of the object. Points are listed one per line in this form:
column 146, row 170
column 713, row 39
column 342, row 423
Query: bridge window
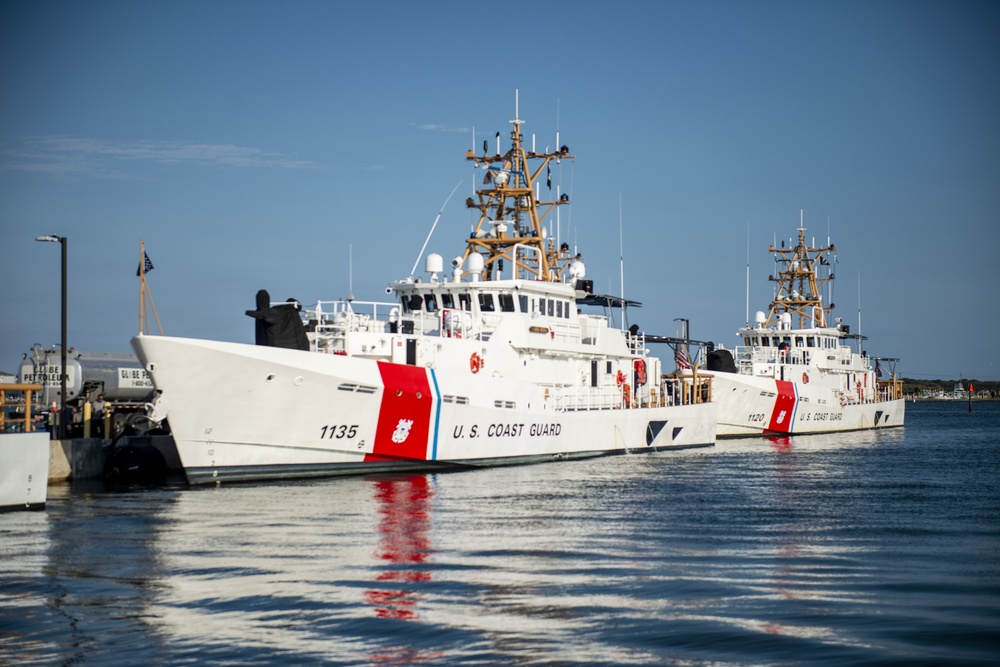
column 430, row 303
column 411, row 303
column 524, row 302
column 464, row 302
column 447, row 300
column 486, row 302
column 507, row 302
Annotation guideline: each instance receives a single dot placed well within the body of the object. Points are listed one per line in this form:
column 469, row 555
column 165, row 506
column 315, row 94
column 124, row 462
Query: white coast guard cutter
column 486, row 366
column 788, row 379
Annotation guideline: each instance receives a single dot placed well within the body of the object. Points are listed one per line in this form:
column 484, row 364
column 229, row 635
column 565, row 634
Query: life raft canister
column 448, row 323
column 640, row 371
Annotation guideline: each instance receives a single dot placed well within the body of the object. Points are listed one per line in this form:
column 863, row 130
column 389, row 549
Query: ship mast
column 511, row 211
column 799, row 284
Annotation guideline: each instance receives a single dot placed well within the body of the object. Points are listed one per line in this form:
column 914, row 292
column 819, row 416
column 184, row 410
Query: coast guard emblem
column 402, row 430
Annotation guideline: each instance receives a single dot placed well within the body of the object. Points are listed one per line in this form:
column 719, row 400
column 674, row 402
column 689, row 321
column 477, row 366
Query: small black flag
column 148, row 265
column 548, row 177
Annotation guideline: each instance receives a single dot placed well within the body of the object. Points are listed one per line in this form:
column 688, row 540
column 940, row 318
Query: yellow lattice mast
column 800, row 285
column 512, row 213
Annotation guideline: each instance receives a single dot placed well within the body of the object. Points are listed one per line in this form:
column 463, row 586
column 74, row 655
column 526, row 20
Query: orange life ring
column 805, row 378
column 640, row 371
column 475, row 362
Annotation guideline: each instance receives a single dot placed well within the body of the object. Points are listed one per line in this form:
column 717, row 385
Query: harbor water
column 878, row 548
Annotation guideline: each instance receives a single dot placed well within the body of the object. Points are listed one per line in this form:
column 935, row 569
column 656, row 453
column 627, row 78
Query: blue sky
column 251, row 144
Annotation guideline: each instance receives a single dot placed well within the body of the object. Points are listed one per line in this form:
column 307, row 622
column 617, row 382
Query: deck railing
column 670, row 391
column 15, row 399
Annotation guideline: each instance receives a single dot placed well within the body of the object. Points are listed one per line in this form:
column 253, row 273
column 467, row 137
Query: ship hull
column 246, row 413
column 750, row 406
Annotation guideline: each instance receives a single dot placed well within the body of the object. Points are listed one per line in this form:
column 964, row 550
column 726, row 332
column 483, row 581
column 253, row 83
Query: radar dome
column 434, row 264
column 474, row 263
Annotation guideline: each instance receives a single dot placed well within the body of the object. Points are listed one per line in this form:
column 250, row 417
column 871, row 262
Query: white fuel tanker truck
column 119, row 377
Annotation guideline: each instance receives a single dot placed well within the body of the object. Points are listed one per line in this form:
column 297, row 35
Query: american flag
column 681, row 359
column 148, row 265
column 878, row 369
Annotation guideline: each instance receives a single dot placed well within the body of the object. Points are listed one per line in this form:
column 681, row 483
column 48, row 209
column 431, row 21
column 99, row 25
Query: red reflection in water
column 786, row 581
column 780, row 443
column 406, row 656
column 404, row 527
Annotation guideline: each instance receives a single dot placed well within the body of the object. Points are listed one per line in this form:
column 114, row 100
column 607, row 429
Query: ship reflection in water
column 404, row 544
column 849, row 548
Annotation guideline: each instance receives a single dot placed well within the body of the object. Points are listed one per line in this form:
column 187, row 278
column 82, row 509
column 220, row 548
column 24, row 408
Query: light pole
column 62, row 373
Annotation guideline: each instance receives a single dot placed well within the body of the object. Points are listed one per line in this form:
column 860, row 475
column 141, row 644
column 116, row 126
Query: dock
column 30, row 459
column 86, row 458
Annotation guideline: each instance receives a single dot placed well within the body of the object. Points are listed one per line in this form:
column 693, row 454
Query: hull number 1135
column 339, row 431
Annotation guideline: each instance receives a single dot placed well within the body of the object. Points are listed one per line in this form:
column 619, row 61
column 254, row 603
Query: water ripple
column 871, row 548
